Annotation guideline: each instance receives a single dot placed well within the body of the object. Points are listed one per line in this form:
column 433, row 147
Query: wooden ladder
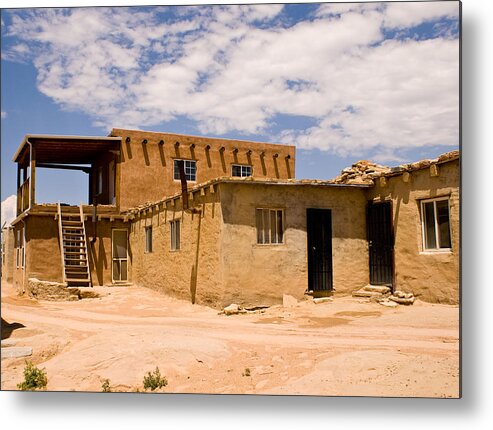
column 73, row 248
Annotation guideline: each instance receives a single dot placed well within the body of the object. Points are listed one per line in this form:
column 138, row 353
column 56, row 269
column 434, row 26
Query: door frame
column 328, row 291
column 390, row 204
column 119, row 259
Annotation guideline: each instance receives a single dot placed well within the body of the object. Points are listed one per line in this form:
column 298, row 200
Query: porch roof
column 65, row 149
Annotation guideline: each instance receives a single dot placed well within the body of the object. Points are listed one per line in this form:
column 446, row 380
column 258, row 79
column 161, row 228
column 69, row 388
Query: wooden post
column 32, row 192
column 118, row 179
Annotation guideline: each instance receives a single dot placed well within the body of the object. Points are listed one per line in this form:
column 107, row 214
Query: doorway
column 119, row 255
column 381, row 243
column 319, row 238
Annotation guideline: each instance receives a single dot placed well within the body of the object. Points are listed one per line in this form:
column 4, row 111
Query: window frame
column 126, row 259
column 148, row 240
column 283, row 221
column 20, row 252
column 241, row 166
column 173, row 235
column 438, row 249
column 176, row 177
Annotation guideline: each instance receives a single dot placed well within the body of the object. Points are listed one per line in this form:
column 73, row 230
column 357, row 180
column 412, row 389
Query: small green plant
column 154, row 380
column 246, row 372
column 106, row 387
column 34, row 378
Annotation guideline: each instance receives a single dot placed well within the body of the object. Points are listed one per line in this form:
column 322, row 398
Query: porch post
column 19, row 196
column 32, row 191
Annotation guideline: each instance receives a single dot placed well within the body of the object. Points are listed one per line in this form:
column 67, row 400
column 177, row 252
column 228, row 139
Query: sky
column 342, row 82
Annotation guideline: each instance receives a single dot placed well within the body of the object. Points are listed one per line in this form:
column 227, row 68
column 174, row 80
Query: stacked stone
column 361, row 172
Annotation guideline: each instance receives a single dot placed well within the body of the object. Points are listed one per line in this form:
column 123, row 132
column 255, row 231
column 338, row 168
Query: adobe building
column 218, row 221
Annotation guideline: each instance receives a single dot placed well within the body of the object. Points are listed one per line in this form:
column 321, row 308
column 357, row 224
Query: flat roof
column 65, row 149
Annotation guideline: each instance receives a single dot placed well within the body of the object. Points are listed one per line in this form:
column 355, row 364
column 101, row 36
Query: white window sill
column 436, row 251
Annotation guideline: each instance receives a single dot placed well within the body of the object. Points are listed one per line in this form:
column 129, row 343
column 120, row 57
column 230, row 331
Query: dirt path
column 344, row 347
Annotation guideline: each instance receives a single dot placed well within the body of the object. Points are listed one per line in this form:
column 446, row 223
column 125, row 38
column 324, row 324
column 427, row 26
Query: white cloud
column 4, row 115
column 214, row 66
column 8, row 209
column 415, row 13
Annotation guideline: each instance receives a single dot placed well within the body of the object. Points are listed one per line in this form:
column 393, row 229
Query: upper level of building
column 130, row 167
column 149, row 169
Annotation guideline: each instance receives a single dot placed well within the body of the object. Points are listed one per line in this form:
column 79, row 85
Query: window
column 190, row 170
column 148, row 235
column 175, row 234
column 436, row 224
column 241, row 170
column 270, row 226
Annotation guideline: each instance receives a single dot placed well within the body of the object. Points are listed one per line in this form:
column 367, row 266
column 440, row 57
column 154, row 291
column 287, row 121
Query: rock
column 319, row 300
column 55, row 291
column 8, row 342
column 232, row 309
column 399, row 294
column 402, row 301
column 408, row 295
column 288, row 301
column 16, row 352
column 388, row 303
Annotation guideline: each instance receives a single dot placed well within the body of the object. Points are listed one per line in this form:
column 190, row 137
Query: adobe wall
column 8, row 256
column 147, row 169
column 431, row 276
column 260, row 274
column 172, row 271
column 43, row 260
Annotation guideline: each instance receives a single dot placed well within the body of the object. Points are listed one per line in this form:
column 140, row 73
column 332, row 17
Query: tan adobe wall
column 43, row 259
column 8, row 254
column 147, row 169
column 431, row 276
column 260, row 274
column 172, row 272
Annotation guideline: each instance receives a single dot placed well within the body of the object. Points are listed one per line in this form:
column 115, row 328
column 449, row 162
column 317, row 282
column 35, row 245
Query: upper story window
column 148, row 235
column 241, row 170
column 270, row 226
column 190, row 170
column 435, row 217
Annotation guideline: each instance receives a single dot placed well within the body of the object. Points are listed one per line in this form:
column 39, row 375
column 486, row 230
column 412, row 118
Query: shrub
column 246, row 372
column 154, row 380
column 106, row 387
column 34, row 378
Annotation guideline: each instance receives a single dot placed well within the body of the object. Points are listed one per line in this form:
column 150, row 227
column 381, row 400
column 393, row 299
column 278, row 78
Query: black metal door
column 319, row 233
column 381, row 243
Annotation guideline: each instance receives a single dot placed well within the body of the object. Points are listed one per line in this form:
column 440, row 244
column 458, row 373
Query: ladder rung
column 73, row 234
column 71, row 222
column 76, row 252
column 77, row 280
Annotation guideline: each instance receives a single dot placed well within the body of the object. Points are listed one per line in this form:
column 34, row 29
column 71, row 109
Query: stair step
column 362, row 293
column 77, row 280
column 73, row 234
column 71, row 223
column 75, row 252
column 382, row 289
column 76, row 266
column 72, row 227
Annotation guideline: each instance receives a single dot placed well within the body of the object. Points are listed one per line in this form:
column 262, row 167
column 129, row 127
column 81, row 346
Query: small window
column 270, row 226
column 190, row 170
column 435, row 216
column 241, row 170
column 175, row 234
column 148, row 234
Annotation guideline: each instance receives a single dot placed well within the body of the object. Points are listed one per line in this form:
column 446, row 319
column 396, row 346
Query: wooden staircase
column 73, row 248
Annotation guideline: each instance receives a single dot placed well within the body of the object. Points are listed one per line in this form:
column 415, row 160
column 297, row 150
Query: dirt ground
column 347, row 347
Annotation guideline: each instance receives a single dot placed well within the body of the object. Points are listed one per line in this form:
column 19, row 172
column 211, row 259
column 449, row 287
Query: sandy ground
column 348, row 347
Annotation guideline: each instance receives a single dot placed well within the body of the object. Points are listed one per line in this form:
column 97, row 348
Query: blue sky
column 342, row 82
